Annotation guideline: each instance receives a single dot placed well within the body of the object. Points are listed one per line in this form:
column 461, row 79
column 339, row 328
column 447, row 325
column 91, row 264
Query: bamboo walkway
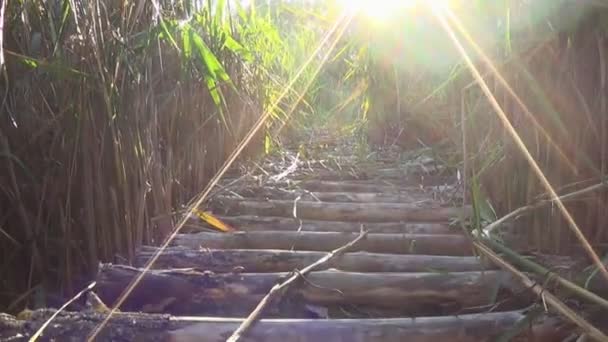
column 412, row 276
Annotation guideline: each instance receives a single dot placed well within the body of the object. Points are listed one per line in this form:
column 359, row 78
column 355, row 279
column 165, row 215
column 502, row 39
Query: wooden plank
column 357, row 212
column 257, row 223
column 405, row 185
column 336, row 196
column 190, row 292
column 75, row 326
column 431, row 244
column 251, row 260
column 464, row 328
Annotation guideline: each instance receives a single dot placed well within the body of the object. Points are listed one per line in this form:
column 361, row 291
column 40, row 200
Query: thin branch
column 519, row 211
column 280, row 288
column 38, row 332
column 545, row 295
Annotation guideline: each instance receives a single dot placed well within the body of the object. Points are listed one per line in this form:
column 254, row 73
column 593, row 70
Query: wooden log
column 252, row 260
column 376, row 197
column 278, row 290
column 435, row 244
column 355, row 172
column 463, row 328
column 357, row 212
column 76, row 326
column 189, row 292
column 257, row 223
column 405, row 185
column 436, row 174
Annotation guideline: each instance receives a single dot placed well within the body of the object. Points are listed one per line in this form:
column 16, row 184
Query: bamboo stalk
column 441, row 17
column 542, row 271
column 546, row 296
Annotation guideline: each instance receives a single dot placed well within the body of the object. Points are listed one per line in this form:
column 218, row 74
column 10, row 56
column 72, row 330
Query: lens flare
column 382, row 9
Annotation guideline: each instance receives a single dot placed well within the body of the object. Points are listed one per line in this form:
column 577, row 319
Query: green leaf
column 214, row 91
column 167, row 34
column 267, row 144
column 220, row 6
column 210, row 66
column 55, row 68
column 208, row 59
column 236, row 47
column 476, row 200
column 30, row 62
column 187, row 46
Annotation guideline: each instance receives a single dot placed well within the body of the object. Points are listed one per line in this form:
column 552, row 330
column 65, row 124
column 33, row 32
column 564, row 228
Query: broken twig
column 278, row 289
column 517, row 212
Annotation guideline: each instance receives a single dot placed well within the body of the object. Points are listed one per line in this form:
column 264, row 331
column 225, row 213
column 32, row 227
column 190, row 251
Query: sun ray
column 380, row 10
column 493, row 70
column 440, row 15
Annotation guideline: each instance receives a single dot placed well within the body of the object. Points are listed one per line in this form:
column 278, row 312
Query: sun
column 382, row 9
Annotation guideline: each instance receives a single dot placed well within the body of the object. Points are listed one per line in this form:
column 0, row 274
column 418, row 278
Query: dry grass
column 558, row 72
column 106, row 129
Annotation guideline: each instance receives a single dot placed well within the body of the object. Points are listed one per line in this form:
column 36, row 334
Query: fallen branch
column 545, row 295
column 278, row 289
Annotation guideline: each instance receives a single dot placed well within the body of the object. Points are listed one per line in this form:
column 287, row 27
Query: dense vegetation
column 114, row 114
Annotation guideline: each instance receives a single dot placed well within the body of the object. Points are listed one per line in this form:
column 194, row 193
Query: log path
column 414, row 277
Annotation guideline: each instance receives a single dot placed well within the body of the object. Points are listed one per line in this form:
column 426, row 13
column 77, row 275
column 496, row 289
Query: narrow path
column 414, row 277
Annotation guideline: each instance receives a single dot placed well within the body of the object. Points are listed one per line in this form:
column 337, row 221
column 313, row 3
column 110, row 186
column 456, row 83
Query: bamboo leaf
column 220, row 6
column 267, row 144
column 213, row 221
column 56, row 68
column 186, row 43
column 236, row 47
column 167, row 34
column 209, row 60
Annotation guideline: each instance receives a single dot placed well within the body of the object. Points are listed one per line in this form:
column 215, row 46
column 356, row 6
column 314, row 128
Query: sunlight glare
column 382, row 9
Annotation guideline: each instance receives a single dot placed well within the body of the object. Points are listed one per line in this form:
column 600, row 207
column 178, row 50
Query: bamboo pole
column 545, row 295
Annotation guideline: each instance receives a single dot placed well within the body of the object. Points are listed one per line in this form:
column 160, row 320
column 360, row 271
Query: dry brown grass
column 105, row 131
